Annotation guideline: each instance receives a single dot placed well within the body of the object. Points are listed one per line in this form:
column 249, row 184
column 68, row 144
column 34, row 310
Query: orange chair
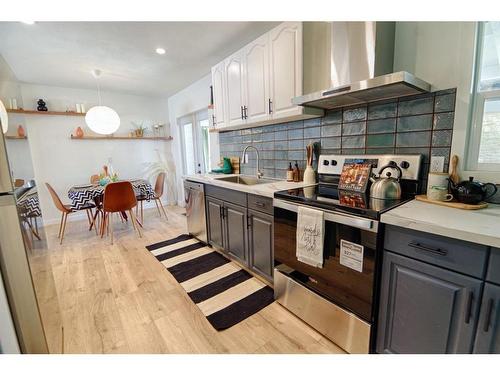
column 66, row 210
column 160, row 182
column 118, row 197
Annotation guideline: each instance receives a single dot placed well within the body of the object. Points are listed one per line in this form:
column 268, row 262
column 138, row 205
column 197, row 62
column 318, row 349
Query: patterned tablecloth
column 85, row 195
column 29, row 203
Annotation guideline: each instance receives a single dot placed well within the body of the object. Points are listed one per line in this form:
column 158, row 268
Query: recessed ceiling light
column 28, row 22
column 160, row 51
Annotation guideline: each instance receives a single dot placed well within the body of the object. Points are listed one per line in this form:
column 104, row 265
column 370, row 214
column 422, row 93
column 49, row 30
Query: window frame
column 194, row 119
column 478, row 102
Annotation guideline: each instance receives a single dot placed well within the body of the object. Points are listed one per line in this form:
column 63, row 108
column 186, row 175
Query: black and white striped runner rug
column 224, row 292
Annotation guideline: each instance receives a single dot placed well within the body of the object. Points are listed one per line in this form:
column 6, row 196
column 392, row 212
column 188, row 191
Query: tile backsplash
column 420, row 124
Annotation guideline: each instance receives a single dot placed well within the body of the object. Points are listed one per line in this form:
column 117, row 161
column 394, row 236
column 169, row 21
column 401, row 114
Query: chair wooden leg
column 111, row 227
column 163, row 209
column 94, row 222
column 103, row 224
column 157, row 207
column 142, row 212
column 60, row 226
column 63, row 228
column 89, row 216
column 135, row 223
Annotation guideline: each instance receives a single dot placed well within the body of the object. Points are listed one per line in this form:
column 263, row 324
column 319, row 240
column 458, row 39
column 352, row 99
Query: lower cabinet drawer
column 460, row 256
column 262, row 204
column 227, row 195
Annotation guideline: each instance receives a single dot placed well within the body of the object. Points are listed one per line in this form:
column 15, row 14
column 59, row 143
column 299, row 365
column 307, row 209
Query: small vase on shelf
column 79, row 132
column 20, row 132
column 42, row 106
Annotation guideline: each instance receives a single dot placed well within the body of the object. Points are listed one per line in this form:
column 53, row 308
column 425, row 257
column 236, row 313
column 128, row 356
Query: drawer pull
column 419, row 246
column 468, row 310
column 260, row 204
column 487, row 319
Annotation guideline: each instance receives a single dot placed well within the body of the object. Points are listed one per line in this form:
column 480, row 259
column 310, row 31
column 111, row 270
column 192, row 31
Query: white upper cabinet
column 234, row 72
column 256, row 80
column 218, row 83
column 285, row 50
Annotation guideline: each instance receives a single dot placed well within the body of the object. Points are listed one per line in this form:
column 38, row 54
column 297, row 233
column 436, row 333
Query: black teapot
column 471, row 192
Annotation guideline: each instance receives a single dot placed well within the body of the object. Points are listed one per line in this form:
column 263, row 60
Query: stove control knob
column 334, row 162
column 326, row 162
column 404, row 165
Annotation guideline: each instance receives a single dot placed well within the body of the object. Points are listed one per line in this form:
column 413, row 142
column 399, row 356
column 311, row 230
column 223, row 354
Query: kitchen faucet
column 259, row 173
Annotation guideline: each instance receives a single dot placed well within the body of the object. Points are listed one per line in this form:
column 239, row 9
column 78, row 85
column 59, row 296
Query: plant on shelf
column 139, row 129
column 153, row 169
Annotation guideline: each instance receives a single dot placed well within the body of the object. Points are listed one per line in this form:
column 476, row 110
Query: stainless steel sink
column 246, row 180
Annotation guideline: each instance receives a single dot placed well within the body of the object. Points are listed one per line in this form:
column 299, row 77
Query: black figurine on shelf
column 42, row 107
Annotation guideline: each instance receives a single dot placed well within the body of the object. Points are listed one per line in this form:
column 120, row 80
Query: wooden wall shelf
column 116, row 138
column 14, row 137
column 47, row 113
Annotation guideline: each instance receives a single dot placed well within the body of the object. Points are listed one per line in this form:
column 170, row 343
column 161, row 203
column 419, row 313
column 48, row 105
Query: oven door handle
column 333, row 217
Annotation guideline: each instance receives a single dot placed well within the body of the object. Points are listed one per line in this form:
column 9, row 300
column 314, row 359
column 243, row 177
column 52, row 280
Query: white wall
column 64, row 162
column 442, row 53
column 192, row 99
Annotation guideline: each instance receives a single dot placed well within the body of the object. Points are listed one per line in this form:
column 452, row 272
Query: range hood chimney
column 360, row 69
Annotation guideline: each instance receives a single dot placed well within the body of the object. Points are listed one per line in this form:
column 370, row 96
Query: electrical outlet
column 437, row 164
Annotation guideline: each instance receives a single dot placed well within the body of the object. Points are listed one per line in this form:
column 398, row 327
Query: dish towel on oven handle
column 310, row 236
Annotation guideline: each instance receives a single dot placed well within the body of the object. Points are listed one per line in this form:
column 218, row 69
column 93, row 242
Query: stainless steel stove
column 338, row 300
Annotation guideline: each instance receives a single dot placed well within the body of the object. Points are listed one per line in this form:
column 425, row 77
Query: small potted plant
column 139, row 129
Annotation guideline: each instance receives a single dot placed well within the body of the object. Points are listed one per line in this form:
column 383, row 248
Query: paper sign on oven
column 351, row 255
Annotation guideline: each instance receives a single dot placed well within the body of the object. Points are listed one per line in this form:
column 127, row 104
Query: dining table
column 87, row 195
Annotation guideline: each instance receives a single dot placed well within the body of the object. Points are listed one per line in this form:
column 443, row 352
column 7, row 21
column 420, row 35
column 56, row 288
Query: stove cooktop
column 329, row 197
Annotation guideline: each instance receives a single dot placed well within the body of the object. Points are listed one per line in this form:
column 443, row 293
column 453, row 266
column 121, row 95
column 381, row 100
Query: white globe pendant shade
column 102, row 119
column 4, row 118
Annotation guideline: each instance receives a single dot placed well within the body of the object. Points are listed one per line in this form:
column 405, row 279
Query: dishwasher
column 194, row 193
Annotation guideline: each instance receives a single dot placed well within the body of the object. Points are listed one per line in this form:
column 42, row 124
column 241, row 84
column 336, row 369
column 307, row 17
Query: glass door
column 195, row 142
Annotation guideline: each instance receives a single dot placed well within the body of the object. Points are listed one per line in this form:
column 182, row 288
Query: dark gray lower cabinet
column 488, row 329
column 425, row 309
column 260, row 240
column 236, row 231
column 215, row 222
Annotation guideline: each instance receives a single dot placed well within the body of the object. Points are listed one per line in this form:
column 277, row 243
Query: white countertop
column 478, row 226
column 265, row 190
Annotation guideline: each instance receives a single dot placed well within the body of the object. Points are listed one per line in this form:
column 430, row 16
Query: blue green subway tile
column 268, row 146
column 353, row 151
column 257, row 145
column 355, row 114
column 331, row 130
column 246, row 131
column 267, row 155
column 444, row 103
column 296, row 134
column 267, row 163
column 443, row 120
column 382, row 110
column 236, row 132
column 246, row 138
column 381, row 150
column 281, row 164
column 441, row 138
column 257, row 137
column 295, row 125
column 281, row 154
column 424, row 151
column 296, row 155
column 330, row 151
column 416, row 106
column 413, row 139
column 280, row 145
column 380, row 140
column 268, row 136
column 353, row 142
column 281, row 135
column 280, row 127
column 297, row 144
column 332, row 117
column 257, row 130
column 311, row 140
column 414, row 123
column 354, row 128
column 331, row 142
column 387, row 125
column 268, row 128
column 312, row 132
column 312, row 122
column 269, row 172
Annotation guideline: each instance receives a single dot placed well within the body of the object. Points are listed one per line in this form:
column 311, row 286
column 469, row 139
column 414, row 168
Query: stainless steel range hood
column 361, row 66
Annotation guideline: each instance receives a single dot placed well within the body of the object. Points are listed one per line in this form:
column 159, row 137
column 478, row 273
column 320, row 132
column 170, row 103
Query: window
column 195, row 142
column 484, row 147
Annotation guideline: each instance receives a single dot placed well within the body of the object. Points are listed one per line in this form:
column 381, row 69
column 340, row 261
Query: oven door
column 345, row 282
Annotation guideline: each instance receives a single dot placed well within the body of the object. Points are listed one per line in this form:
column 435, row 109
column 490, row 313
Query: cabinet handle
column 434, row 250
column 221, row 210
column 260, row 204
column 245, row 111
column 487, row 319
column 249, row 222
column 270, row 106
column 468, row 309
column 242, row 113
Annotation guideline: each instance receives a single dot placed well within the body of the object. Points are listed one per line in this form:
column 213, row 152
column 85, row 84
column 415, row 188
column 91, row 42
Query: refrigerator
column 21, row 329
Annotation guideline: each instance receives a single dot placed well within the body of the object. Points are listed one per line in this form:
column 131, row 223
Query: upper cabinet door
column 218, row 82
column 234, row 89
column 285, row 46
column 256, row 86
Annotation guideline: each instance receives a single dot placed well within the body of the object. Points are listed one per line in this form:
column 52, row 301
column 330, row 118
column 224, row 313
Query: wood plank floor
column 98, row 298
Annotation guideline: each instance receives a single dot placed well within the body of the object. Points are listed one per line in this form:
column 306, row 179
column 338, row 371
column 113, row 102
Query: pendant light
column 102, row 119
column 4, row 118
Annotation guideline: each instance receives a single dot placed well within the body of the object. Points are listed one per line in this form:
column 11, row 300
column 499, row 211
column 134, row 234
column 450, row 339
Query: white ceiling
column 64, row 53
